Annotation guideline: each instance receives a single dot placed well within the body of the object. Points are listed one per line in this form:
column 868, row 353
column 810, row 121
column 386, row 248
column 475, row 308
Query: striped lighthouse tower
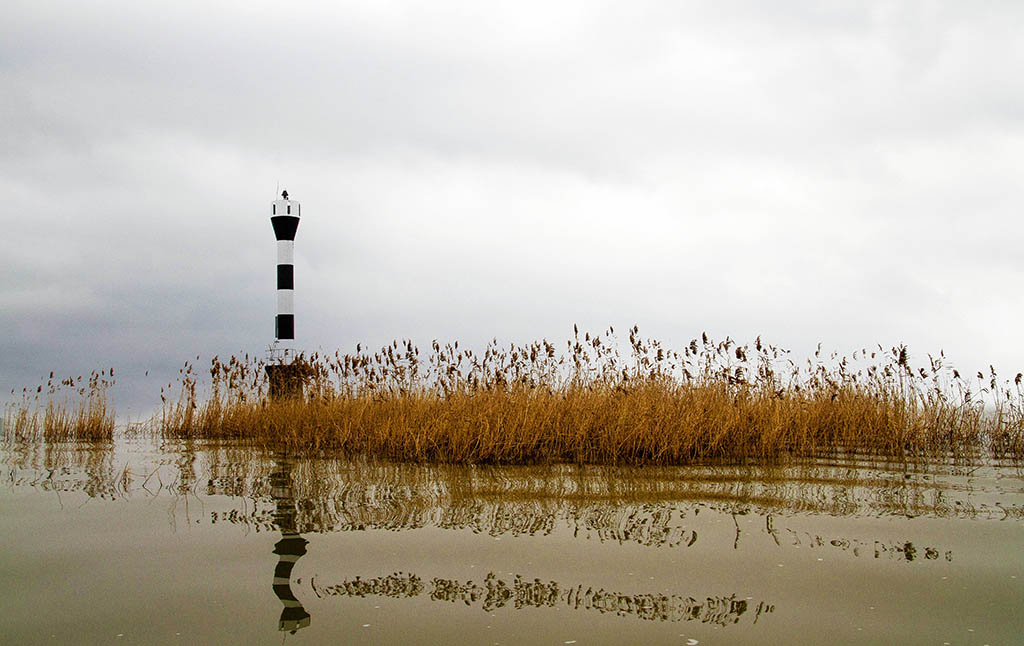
column 285, row 218
column 284, row 375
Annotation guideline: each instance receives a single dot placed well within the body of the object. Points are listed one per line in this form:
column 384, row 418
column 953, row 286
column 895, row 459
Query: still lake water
column 138, row 542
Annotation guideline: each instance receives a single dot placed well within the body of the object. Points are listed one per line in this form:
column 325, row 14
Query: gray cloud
column 805, row 171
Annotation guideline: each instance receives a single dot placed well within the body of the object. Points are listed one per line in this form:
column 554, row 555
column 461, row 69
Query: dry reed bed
column 601, row 401
column 69, row 409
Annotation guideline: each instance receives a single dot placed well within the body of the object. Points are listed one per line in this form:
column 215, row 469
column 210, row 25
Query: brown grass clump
column 58, row 417
column 590, row 404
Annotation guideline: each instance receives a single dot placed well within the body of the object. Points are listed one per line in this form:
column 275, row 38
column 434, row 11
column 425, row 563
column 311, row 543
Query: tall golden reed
column 591, row 404
column 73, row 409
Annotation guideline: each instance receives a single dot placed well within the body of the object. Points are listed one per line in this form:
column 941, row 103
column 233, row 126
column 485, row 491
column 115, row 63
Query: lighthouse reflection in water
column 289, row 549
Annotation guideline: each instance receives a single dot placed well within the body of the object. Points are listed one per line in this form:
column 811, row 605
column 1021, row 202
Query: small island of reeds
column 597, row 401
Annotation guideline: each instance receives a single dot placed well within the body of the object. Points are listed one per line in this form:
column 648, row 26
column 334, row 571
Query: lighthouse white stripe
column 286, row 301
column 285, row 252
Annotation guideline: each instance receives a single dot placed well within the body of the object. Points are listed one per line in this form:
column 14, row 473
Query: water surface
column 138, row 542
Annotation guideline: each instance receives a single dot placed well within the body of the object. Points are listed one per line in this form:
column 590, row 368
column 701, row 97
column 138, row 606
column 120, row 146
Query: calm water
column 139, row 543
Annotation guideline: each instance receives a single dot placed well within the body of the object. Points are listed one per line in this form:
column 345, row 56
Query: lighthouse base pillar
column 286, row 381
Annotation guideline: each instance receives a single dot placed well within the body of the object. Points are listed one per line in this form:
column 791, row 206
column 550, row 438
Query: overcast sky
column 842, row 172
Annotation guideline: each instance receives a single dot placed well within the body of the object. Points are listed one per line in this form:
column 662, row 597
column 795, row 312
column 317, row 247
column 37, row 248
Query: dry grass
column 598, row 401
column 70, row 409
column 590, row 404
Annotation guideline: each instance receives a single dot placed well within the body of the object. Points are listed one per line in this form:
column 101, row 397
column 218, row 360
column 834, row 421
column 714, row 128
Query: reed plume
column 602, row 401
column 70, row 409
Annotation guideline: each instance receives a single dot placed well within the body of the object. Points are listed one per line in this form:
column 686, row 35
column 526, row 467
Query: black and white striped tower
column 284, row 374
column 285, row 218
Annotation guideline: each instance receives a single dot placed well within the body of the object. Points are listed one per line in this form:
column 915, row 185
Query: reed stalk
column 71, row 409
column 604, row 402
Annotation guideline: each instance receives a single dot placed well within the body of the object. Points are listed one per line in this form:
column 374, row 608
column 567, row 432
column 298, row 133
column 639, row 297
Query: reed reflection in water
column 648, row 506
column 706, row 542
column 521, row 593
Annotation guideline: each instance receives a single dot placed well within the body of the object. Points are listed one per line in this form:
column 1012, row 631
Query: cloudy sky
column 842, row 172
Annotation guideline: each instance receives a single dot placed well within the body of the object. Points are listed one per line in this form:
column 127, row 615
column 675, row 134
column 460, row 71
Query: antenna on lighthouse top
column 284, row 194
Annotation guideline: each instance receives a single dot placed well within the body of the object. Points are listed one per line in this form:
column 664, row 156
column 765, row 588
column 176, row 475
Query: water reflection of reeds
column 339, row 494
column 86, row 467
column 523, row 593
column 648, row 506
column 344, row 494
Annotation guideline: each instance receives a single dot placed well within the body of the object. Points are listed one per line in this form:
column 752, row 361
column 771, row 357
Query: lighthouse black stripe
column 285, row 326
column 285, row 226
column 284, row 592
column 286, row 276
column 284, row 569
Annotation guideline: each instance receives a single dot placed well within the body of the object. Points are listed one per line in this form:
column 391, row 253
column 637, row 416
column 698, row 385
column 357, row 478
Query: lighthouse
column 284, row 216
column 282, row 371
